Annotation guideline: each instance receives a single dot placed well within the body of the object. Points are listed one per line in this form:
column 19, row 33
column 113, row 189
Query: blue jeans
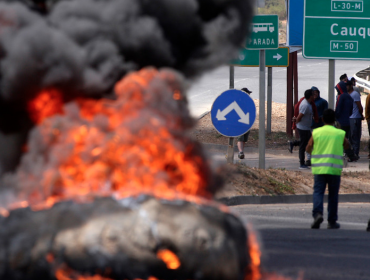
column 355, row 134
column 319, row 187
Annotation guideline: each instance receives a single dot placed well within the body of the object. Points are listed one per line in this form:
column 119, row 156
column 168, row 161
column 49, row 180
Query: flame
column 169, row 258
column 68, row 274
column 65, row 273
column 255, row 255
column 120, row 148
column 46, row 103
column 50, row 258
column 4, row 212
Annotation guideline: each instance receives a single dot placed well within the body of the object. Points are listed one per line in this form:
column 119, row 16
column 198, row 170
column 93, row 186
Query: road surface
column 311, row 72
column 290, row 247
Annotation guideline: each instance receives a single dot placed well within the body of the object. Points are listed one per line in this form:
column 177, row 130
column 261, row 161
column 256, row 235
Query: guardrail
column 362, row 78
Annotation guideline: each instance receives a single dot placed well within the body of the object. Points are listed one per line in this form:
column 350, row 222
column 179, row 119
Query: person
column 355, row 119
column 303, row 122
column 326, row 146
column 292, row 144
column 321, row 105
column 367, row 117
column 342, row 78
column 368, row 226
column 342, row 113
column 243, row 138
column 353, row 80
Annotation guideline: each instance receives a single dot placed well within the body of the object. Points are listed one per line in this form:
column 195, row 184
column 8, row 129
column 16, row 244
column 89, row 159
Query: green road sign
column 274, row 58
column 264, row 33
column 337, row 29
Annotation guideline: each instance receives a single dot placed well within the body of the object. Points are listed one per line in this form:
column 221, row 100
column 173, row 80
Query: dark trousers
column 355, row 139
column 349, row 152
column 304, row 136
column 333, row 182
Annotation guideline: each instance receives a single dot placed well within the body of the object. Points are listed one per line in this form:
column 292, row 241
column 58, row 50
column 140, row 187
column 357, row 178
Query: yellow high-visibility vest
column 327, row 153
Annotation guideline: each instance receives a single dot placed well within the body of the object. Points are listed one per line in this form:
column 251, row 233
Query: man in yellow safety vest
column 326, row 146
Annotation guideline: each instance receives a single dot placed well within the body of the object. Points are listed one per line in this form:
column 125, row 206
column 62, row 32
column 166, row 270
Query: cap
column 246, row 90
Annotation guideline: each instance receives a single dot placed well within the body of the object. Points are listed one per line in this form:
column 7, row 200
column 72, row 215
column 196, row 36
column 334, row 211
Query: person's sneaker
column 333, row 225
column 290, row 146
column 317, row 221
column 308, row 162
column 368, row 226
column 303, row 166
column 241, row 155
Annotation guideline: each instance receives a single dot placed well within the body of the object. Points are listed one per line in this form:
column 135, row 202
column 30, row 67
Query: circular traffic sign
column 233, row 113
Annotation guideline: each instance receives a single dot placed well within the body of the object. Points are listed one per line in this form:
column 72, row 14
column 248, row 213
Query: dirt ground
column 254, row 181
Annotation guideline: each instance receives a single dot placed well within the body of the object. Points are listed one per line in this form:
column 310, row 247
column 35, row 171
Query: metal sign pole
column 261, row 134
column 331, row 83
column 269, row 98
column 230, row 147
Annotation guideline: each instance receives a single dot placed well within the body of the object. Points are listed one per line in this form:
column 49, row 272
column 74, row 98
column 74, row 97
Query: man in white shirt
column 356, row 118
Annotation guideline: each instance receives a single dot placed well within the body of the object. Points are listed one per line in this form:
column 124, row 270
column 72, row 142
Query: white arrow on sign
column 244, row 118
column 277, row 56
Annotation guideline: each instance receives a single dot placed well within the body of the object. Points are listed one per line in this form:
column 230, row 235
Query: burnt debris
column 121, row 240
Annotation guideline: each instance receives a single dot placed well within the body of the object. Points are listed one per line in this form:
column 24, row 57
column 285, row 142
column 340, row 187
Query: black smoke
column 83, row 47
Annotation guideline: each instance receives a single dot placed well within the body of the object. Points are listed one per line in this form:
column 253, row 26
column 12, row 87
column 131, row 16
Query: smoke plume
column 83, row 47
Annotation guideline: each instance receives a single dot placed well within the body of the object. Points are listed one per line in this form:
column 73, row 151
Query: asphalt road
column 290, row 247
column 311, row 72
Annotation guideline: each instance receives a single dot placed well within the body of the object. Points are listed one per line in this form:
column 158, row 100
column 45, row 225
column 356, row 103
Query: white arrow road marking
column 244, row 118
column 277, row 56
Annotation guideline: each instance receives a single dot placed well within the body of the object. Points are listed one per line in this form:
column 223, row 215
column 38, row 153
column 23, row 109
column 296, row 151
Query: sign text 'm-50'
column 337, row 29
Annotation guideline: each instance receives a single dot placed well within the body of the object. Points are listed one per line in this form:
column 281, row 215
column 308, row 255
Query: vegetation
column 274, row 7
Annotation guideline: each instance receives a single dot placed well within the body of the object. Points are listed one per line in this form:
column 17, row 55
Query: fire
column 68, row 274
column 169, row 258
column 46, row 103
column 124, row 147
column 65, row 273
column 255, row 255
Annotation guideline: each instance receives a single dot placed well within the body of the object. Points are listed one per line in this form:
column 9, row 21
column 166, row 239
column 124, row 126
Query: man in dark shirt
column 342, row 113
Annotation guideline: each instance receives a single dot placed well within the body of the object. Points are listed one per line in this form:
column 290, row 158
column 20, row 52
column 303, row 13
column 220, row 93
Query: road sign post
column 262, row 132
column 331, row 83
column 265, row 35
column 230, row 147
column 269, row 98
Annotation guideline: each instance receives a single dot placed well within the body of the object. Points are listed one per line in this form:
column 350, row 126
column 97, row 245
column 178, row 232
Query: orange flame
column 119, row 148
column 47, row 103
column 69, row 274
column 255, row 255
column 169, row 258
column 65, row 273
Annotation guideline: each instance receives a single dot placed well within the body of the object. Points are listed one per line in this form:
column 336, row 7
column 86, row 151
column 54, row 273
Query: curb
column 203, row 115
column 289, row 199
column 223, row 149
